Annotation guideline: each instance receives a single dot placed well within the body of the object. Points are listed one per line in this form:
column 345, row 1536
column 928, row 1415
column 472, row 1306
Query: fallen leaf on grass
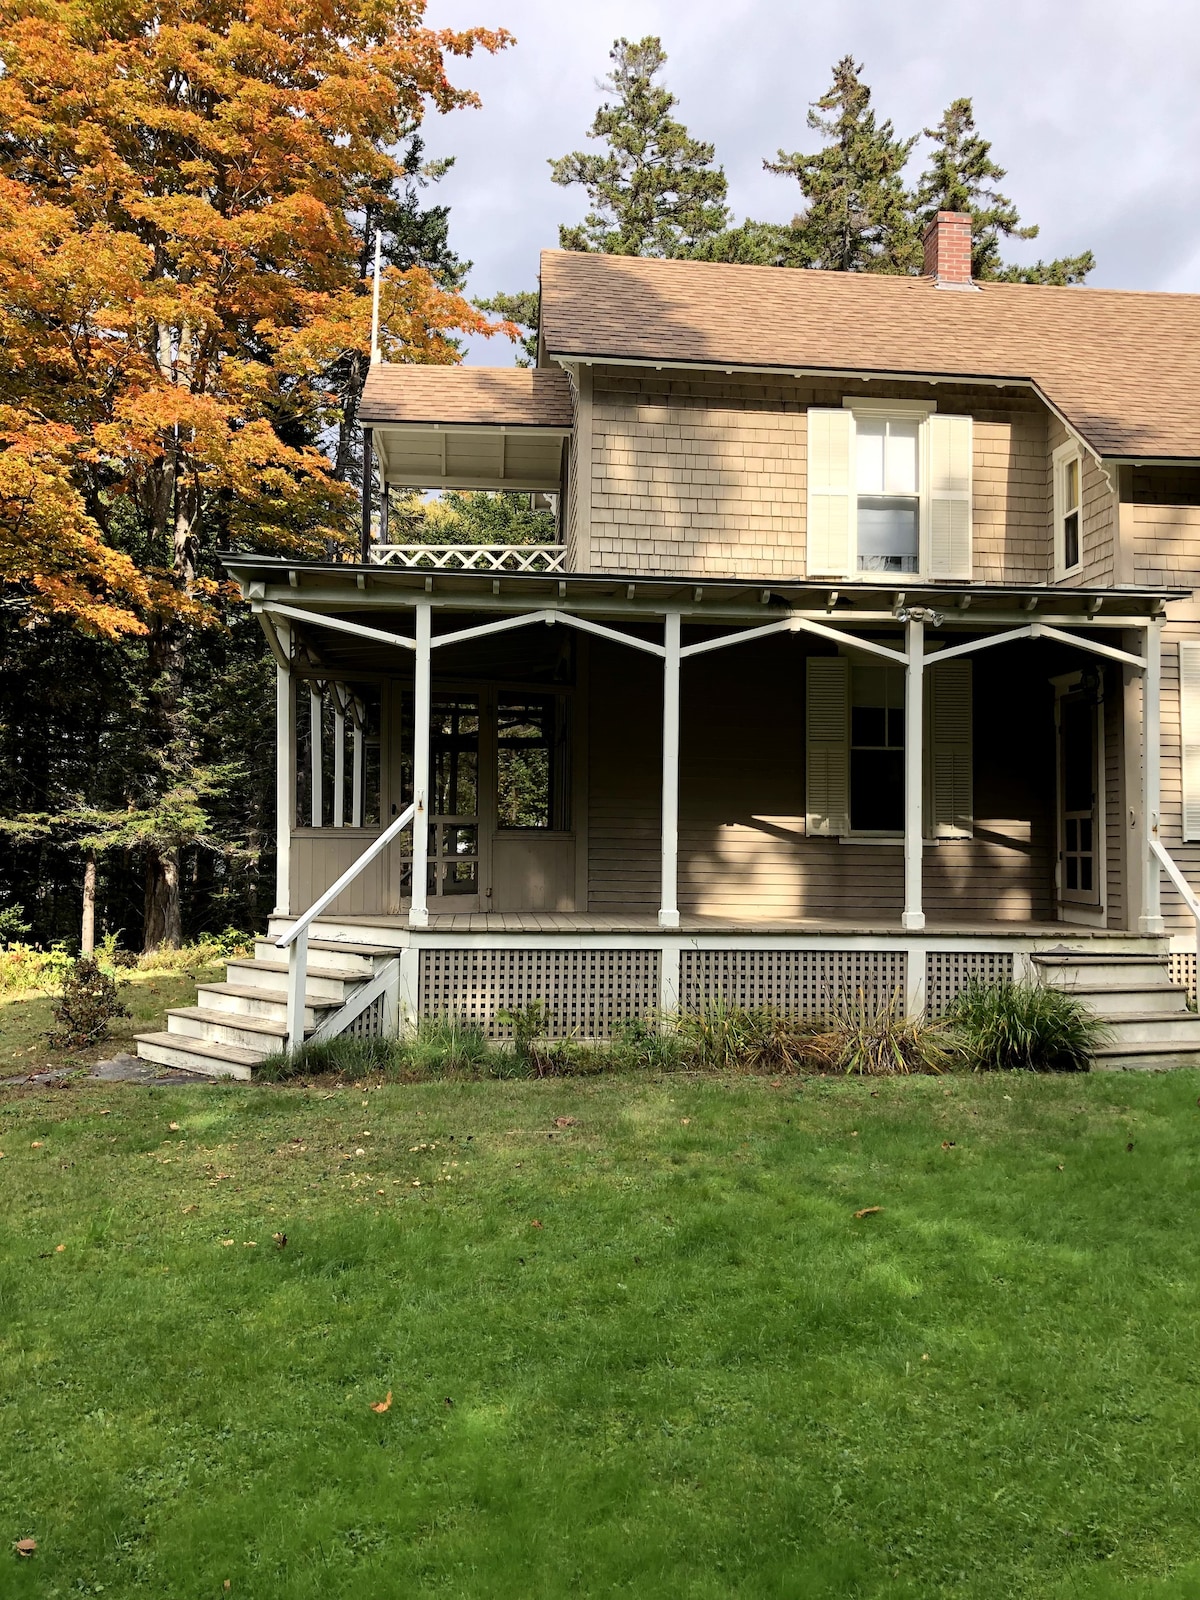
column 36, row 1145
column 360, row 1151
column 535, row 1223
column 172, row 1127
column 106, row 1113
column 565, row 1122
column 1129, row 1147
column 188, row 1209
column 381, row 1406
column 226, row 1241
column 25, row 1547
column 250, row 1244
column 947, row 1144
column 59, row 1248
column 685, row 1120
column 1060, row 1167
column 867, row 1211
column 280, row 1240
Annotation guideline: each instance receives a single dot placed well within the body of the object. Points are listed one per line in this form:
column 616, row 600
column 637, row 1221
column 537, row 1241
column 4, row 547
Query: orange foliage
column 182, row 188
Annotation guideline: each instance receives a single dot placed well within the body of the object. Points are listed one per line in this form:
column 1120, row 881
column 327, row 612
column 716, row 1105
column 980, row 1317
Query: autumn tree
column 960, row 175
column 654, row 191
column 188, row 203
column 857, row 213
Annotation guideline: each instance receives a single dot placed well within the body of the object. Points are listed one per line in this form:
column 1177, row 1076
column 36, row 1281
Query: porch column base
column 1151, row 926
column 668, row 919
column 418, row 917
column 912, row 921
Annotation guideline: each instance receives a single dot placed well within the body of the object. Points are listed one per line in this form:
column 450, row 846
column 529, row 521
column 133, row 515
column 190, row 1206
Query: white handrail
column 1186, row 894
column 472, row 557
column 295, row 941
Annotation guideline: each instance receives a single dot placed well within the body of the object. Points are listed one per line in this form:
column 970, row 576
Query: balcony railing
column 472, row 557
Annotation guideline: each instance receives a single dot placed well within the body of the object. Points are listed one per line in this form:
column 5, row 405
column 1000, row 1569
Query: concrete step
column 1173, row 1029
column 1063, row 970
column 1145, row 1057
column 1113, row 1001
column 238, row 1000
column 332, row 982
column 198, row 1055
column 263, row 1034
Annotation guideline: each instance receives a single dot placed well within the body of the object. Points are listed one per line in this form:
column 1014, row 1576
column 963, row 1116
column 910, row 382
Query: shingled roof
column 1122, row 368
column 511, row 397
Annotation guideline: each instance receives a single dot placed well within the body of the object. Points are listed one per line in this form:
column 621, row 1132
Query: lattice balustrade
column 947, row 973
column 1182, row 969
column 472, row 557
column 797, row 983
column 368, row 1024
column 587, row 994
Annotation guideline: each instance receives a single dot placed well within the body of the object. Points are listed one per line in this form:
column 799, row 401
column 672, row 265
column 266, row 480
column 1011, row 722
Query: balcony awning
column 468, row 427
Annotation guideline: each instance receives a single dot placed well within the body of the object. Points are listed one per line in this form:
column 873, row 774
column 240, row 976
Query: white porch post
column 418, row 911
column 668, row 910
column 285, row 773
column 339, row 764
column 1150, row 921
column 914, row 744
column 316, row 765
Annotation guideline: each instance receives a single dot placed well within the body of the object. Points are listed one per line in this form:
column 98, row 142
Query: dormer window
column 1068, row 509
column 887, row 458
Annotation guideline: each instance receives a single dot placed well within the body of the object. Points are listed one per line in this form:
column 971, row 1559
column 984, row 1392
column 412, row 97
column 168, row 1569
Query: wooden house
column 866, row 661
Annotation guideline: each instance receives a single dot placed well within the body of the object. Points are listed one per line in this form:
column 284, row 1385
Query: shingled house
column 866, row 659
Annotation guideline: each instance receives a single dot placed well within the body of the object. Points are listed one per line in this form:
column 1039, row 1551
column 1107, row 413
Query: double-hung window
column 889, row 491
column 1068, row 509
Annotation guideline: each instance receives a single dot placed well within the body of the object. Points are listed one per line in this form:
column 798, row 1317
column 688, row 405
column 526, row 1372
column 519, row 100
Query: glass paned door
column 454, row 781
column 1078, row 787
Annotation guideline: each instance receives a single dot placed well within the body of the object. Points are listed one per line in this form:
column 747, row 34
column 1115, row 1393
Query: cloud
column 1092, row 108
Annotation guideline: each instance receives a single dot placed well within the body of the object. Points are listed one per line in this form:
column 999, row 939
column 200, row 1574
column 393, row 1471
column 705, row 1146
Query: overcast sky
column 1094, row 109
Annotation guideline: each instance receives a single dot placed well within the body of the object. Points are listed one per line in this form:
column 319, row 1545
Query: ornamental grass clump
column 866, row 1037
column 1027, row 1027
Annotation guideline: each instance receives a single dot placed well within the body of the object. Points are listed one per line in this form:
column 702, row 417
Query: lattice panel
column 796, row 983
column 1182, row 969
column 587, row 994
column 368, row 1024
column 948, row 971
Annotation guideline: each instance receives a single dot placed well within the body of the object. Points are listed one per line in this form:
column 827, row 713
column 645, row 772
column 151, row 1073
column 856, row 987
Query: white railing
column 1186, row 893
column 472, row 557
column 295, row 941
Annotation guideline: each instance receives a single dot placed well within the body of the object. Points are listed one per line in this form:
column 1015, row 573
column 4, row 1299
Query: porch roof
column 343, row 586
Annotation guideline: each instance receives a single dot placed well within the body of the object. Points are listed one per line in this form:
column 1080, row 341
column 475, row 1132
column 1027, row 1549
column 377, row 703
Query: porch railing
column 295, row 941
column 472, row 557
column 1186, row 892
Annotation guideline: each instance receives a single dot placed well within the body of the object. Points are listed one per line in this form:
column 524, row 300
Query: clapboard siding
column 701, row 476
column 743, row 852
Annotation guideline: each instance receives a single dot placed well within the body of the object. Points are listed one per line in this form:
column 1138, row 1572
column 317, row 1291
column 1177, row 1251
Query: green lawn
column 651, row 1352
column 26, row 1018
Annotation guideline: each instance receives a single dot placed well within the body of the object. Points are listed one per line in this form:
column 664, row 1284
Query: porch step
column 198, row 1055
column 236, row 998
column 333, row 982
column 1146, row 1015
column 227, row 1027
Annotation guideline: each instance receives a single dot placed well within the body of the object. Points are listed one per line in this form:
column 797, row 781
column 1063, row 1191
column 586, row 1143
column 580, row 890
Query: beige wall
column 704, row 475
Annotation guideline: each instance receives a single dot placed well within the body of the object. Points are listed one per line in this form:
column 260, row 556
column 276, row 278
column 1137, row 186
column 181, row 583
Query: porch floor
column 568, row 922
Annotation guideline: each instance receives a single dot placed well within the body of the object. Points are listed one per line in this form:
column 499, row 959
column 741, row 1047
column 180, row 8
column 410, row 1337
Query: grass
column 26, row 1017
column 636, row 1339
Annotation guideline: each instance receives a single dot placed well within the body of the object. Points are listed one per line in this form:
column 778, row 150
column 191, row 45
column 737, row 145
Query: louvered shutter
column 949, row 496
column 827, row 763
column 830, row 502
column 1189, row 730
column 951, row 792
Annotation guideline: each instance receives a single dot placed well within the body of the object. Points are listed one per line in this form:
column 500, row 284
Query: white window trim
column 1062, row 456
column 907, row 411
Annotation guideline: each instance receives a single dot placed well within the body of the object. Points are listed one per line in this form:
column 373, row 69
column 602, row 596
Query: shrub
column 864, row 1038
column 90, row 1001
column 27, row 966
column 207, row 949
column 1027, row 1026
column 724, row 1038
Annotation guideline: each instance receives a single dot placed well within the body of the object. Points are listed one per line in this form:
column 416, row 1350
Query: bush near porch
column 658, row 1336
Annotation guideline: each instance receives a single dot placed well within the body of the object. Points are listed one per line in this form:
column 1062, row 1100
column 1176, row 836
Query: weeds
column 1024, row 1026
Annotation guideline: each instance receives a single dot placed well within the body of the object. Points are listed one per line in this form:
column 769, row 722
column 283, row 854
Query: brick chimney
column 948, row 250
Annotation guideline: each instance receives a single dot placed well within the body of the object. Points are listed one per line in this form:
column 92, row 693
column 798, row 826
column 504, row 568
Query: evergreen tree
column 961, row 176
column 858, row 216
column 522, row 309
column 655, row 191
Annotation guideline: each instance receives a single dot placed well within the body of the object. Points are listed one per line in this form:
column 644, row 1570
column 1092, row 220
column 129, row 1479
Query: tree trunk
column 162, row 926
column 87, row 935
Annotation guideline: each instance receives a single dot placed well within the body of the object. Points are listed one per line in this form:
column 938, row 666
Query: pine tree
column 655, row 192
column 522, row 310
column 859, row 215
column 961, row 176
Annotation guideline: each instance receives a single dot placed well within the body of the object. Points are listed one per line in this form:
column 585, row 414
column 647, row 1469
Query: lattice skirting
column 588, row 994
column 1183, row 971
column 947, row 972
column 368, row 1024
column 797, row 983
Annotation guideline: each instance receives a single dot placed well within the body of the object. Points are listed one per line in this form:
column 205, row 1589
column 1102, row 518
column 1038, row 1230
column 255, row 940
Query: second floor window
column 889, row 505
column 1068, row 501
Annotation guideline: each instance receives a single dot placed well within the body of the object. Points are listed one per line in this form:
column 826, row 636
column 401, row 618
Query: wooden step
column 1155, row 1057
column 227, row 1027
column 207, row 1057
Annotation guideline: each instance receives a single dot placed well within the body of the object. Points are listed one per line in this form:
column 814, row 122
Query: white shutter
column 950, row 794
column 1189, row 731
column 827, row 736
column 949, row 496
column 830, row 502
